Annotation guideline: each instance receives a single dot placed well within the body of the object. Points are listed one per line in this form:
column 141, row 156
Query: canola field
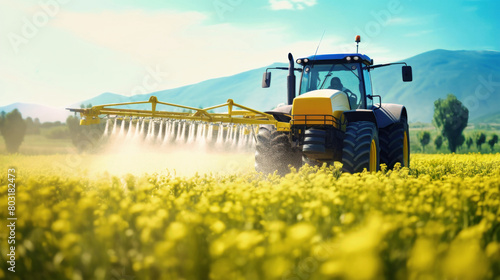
column 440, row 219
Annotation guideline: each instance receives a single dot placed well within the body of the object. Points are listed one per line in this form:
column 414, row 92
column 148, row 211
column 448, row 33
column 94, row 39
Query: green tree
column 469, row 141
column 2, row 118
column 13, row 129
column 493, row 141
column 460, row 141
column 32, row 127
column 76, row 132
column 438, row 142
column 83, row 106
column 451, row 117
column 84, row 137
column 29, row 125
column 424, row 138
column 480, row 140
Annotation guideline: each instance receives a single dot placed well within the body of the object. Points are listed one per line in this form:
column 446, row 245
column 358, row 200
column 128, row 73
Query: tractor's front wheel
column 395, row 144
column 273, row 152
column 361, row 147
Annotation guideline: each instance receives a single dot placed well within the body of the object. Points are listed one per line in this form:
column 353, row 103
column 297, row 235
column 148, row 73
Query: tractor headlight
column 356, row 58
column 306, row 60
column 348, row 58
column 299, row 61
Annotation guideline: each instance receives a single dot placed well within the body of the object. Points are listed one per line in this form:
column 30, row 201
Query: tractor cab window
column 343, row 76
column 368, row 86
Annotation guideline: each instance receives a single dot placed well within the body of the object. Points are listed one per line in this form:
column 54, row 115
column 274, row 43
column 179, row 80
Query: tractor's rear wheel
column 273, row 152
column 361, row 147
column 395, row 144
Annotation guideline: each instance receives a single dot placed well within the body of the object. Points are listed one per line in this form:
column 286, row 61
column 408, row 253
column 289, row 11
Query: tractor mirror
column 266, row 79
column 407, row 74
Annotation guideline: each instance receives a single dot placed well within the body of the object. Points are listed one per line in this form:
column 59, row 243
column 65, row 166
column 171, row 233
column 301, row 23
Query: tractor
column 334, row 117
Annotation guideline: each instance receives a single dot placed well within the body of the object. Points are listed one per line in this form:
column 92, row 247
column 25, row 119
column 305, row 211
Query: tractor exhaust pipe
column 290, row 80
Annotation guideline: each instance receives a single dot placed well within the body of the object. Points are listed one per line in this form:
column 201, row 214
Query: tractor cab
column 348, row 73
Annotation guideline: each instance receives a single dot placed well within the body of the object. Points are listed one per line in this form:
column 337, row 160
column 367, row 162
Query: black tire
column 273, row 152
column 358, row 148
column 314, row 141
column 392, row 144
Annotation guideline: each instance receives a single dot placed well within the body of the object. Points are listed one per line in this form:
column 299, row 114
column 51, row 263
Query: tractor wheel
column 273, row 152
column 361, row 147
column 395, row 144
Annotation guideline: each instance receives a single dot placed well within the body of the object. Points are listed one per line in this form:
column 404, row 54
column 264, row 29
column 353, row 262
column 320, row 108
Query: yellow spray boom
column 243, row 115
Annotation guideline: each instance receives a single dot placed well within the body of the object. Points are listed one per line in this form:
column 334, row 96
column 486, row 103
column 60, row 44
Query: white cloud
column 418, row 33
column 291, row 4
column 182, row 44
column 79, row 55
column 401, row 21
column 420, row 20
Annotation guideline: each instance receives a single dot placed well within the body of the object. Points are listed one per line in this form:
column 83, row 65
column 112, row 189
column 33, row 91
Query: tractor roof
column 340, row 57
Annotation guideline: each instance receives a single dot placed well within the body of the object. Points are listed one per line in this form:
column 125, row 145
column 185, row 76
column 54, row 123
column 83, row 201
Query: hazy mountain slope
column 466, row 74
column 244, row 88
column 105, row 98
column 43, row 113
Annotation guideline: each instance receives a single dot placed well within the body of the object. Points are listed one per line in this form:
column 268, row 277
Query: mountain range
column 470, row 75
column 42, row 112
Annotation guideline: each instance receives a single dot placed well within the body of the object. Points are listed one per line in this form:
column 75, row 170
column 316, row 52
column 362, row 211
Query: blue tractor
column 335, row 116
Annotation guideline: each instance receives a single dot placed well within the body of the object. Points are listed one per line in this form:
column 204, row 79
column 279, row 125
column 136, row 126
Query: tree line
column 478, row 139
column 13, row 129
column 451, row 118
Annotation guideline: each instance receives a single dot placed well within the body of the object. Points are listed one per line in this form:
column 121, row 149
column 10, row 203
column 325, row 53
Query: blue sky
column 58, row 52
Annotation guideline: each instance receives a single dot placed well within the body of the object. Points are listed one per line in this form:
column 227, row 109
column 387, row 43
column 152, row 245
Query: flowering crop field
column 438, row 220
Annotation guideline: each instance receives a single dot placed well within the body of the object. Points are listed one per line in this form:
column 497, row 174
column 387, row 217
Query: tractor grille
column 312, row 119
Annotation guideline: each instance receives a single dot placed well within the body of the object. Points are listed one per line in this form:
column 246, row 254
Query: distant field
column 41, row 145
column 487, row 128
column 103, row 217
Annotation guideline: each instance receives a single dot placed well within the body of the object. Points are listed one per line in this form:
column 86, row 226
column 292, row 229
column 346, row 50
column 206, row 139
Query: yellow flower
column 176, row 231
